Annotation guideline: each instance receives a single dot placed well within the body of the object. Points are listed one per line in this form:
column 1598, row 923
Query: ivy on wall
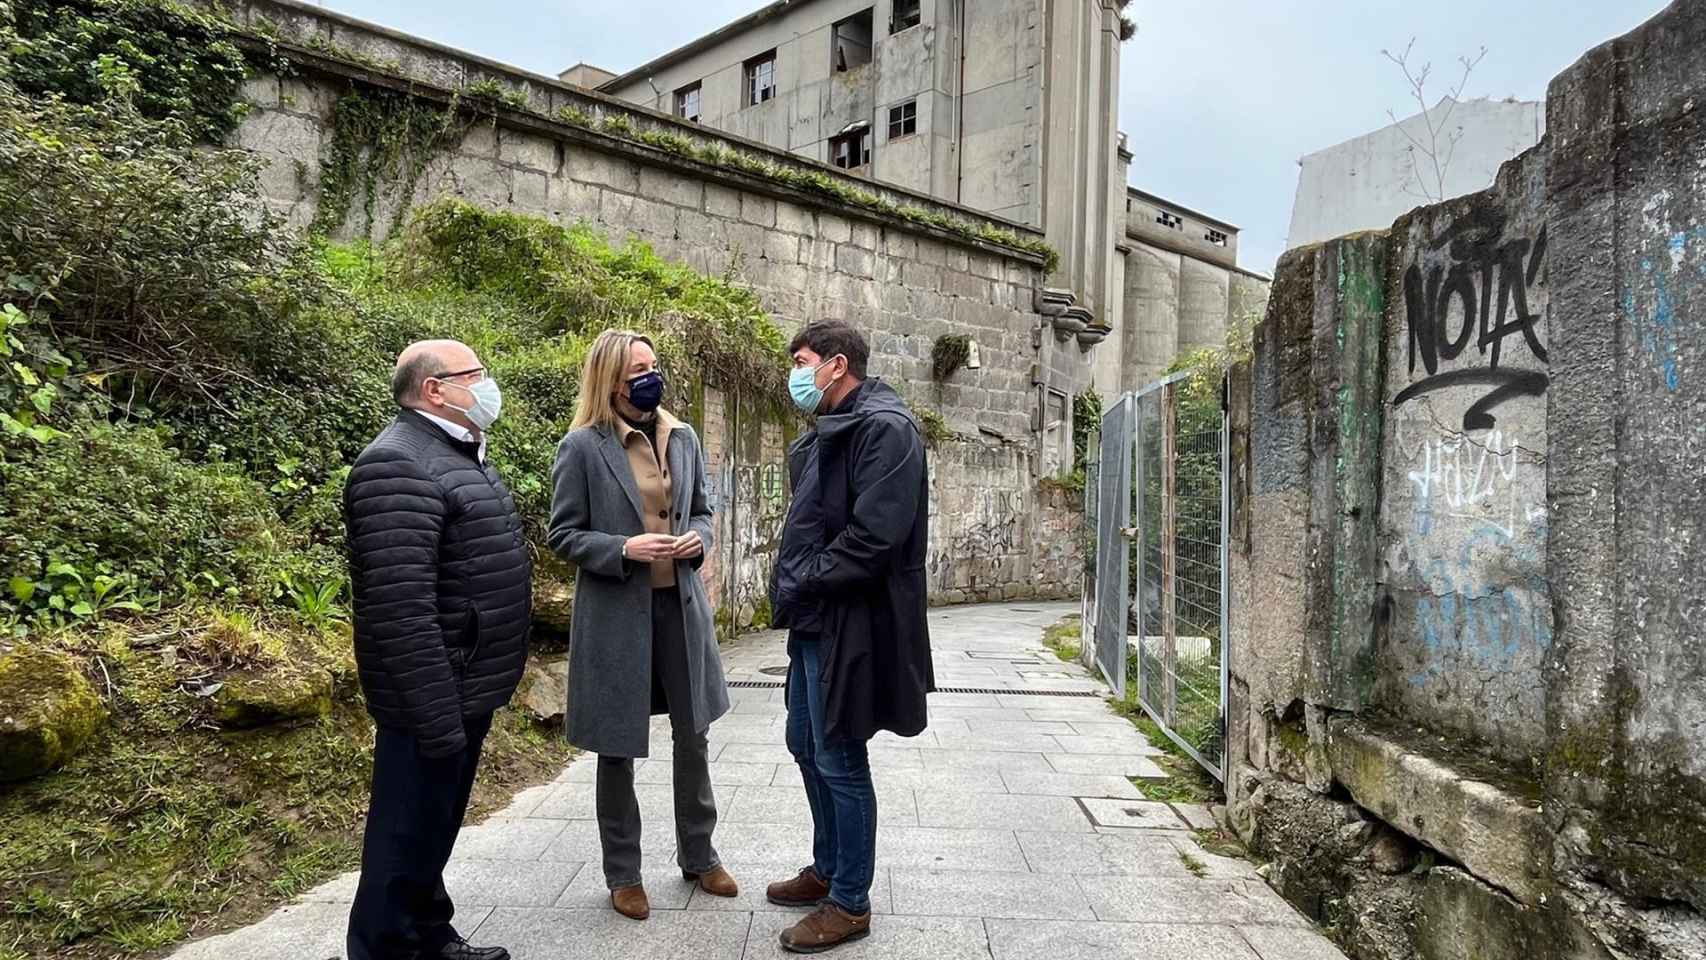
column 381, row 139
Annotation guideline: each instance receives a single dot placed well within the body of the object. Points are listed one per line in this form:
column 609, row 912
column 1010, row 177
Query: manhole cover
column 780, row 671
column 1024, row 610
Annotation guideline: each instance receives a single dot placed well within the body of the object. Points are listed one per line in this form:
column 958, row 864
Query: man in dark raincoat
column 850, row 585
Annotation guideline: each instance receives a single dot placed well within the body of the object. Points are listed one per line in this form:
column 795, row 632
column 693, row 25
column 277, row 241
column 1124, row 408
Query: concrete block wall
column 1469, row 493
column 808, row 258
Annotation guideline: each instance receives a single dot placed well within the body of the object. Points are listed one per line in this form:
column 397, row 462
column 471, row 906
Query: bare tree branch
column 1438, row 156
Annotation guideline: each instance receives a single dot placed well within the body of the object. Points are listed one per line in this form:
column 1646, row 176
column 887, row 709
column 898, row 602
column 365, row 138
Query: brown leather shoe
column 631, row 902
column 824, row 928
column 804, row 890
column 717, row 883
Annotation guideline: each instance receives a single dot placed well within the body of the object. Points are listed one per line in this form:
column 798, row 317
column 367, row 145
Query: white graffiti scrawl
column 1474, row 479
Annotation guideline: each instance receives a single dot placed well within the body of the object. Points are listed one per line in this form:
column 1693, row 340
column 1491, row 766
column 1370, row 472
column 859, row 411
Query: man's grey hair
column 407, row 379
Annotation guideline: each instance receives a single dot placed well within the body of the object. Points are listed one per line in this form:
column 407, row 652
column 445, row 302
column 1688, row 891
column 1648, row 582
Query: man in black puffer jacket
column 443, row 597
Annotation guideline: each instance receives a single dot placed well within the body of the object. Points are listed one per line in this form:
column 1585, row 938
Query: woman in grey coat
column 629, row 510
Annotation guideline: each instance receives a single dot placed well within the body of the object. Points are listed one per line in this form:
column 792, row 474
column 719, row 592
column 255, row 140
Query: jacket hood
column 877, row 397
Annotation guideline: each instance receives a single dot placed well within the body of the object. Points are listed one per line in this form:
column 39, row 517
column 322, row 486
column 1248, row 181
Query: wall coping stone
column 1486, row 822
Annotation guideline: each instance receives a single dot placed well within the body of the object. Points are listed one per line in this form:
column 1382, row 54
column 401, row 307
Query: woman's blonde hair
column 606, row 367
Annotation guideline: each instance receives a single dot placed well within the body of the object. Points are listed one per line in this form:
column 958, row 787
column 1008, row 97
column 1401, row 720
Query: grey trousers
column 695, row 804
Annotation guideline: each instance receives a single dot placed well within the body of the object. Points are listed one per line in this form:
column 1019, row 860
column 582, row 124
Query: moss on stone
column 48, row 711
column 258, row 699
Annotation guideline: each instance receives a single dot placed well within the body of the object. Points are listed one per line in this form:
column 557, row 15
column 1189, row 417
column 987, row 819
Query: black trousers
column 401, row 906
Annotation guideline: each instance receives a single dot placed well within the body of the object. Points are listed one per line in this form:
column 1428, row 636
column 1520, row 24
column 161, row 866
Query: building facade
column 1366, row 183
column 1009, row 107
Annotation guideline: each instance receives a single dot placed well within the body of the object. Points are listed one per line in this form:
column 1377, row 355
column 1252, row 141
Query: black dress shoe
column 460, row 949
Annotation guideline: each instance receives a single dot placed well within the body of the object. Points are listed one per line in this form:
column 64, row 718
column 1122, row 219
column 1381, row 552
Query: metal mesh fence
column 1177, row 607
column 1113, row 516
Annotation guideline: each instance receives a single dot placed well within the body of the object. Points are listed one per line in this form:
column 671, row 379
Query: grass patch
column 1193, row 864
column 1187, row 781
column 1066, row 638
column 1221, row 844
column 167, row 826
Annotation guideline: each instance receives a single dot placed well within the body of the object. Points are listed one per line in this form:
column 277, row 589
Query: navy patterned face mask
column 645, row 391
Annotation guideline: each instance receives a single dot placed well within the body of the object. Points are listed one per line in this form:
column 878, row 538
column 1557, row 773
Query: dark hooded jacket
column 851, row 565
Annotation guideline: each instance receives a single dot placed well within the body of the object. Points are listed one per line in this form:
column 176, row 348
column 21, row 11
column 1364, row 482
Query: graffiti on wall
column 1465, row 515
column 1476, row 290
column 1482, row 480
column 1660, row 296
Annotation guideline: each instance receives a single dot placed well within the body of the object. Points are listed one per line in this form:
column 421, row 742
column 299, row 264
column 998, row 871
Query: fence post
column 1137, row 577
column 1169, row 550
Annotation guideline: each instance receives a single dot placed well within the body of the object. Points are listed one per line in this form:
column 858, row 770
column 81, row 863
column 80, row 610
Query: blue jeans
column 837, row 774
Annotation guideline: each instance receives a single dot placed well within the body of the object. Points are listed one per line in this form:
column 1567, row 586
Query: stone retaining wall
column 809, row 256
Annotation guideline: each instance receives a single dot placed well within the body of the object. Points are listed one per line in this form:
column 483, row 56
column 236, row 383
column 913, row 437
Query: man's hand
column 688, row 546
column 648, row 547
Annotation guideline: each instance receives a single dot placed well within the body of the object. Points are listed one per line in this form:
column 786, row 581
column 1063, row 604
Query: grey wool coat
column 595, row 508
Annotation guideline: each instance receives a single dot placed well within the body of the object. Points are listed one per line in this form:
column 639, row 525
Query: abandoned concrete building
column 1009, row 107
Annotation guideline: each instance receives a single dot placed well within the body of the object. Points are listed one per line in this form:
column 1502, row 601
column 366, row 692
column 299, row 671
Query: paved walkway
column 1009, row 831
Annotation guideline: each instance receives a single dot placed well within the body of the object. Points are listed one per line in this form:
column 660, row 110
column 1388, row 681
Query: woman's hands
column 652, row 547
column 649, row 547
column 688, row 546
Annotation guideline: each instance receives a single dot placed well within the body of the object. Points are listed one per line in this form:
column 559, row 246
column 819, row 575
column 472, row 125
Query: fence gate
column 1161, row 537
column 1113, row 567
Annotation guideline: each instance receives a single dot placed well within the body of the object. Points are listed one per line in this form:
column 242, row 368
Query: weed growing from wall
column 948, row 354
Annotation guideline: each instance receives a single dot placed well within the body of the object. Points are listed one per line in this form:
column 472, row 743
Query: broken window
column 851, row 149
column 761, row 78
column 1169, row 220
column 905, row 16
column 903, row 119
column 851, row 46
column 687, row 102
column 1216, row 237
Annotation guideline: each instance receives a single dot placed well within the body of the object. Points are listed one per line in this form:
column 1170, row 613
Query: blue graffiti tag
column 1658, row 329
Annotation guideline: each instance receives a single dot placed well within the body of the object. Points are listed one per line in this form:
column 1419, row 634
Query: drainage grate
column 755, row 684
column 1007, row 692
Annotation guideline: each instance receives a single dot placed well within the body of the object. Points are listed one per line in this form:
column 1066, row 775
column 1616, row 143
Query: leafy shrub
column 158, row 259
column 117, row 502
column 574, row 281
column 172, row 62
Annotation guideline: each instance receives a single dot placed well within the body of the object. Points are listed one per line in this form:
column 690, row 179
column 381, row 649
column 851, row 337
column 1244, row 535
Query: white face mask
column 488, row 403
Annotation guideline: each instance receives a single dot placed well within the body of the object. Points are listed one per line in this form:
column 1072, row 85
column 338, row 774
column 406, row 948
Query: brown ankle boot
column 804, row 890
column 717, row 883
column 631, row 902
column 824, row 928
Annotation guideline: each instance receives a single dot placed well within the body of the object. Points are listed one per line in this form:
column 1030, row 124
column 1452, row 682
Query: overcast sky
column 1220, row 97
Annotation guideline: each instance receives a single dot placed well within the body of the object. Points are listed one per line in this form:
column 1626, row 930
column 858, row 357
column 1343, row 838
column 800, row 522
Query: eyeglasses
column 451, row 375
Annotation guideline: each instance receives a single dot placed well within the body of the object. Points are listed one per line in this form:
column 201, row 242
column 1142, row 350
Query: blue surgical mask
column 645, row 391
column 802, row 386
column 488, row 403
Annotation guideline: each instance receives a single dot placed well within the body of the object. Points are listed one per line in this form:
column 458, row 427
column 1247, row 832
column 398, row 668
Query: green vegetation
column 183, row 384
column 936, row 429
column 1187, row 782
column 1066, row 638
column 1193, row 863
column 948, row 354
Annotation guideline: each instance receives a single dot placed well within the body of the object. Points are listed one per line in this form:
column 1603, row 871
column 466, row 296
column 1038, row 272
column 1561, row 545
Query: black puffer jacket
column 442, row 581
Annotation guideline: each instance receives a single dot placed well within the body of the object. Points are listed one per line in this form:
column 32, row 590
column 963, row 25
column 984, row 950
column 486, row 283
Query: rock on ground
column 48, row 710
